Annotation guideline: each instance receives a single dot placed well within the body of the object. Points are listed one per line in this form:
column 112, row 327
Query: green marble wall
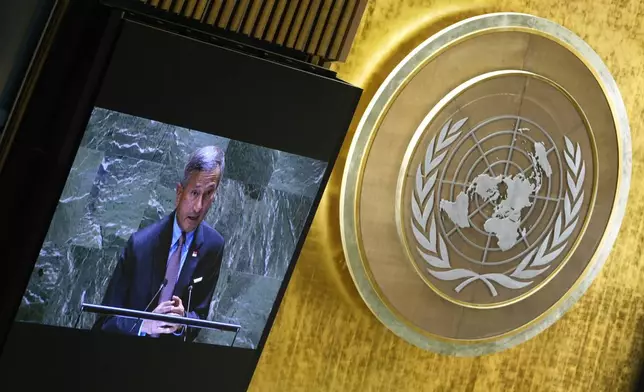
column 123, row 178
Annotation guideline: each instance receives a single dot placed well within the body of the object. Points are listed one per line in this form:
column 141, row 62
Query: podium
column 141, row 315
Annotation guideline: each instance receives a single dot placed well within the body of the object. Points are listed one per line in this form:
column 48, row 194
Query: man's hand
column 177, row 306
column 152, row 327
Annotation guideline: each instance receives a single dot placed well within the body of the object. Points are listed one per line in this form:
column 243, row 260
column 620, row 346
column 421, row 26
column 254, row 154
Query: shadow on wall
column 124, row 177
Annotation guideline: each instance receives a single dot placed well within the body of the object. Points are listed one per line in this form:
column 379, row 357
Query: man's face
column 194, row 200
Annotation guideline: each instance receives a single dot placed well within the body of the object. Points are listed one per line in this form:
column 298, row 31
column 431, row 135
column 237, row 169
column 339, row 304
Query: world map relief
column 509, row 194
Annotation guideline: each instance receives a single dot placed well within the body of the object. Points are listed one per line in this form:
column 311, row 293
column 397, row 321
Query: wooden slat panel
column 226, row 13
column 275, row 21
column 344, row 23
column 319, row 26
column 238, row 15
column 215, row 8
column 330, row 28
column 252, row 16
column 262, row 21
column 165, row 5
column 307, row 27
column 199, row 10
column 298, row 19
column 285, row 24
column 350, row 34
column 323, row 29
column 176, row 6
column 189, row 8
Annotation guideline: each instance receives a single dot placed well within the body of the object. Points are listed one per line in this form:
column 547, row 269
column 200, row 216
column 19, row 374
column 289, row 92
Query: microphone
column 195, row 281
column 163, row 284
column 147, row 308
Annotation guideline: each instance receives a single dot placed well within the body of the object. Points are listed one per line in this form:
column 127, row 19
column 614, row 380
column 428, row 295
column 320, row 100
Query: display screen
column 138, row 191
column 164, row 182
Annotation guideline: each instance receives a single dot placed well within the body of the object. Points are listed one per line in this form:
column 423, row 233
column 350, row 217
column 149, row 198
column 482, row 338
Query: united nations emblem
column 472, row 215
column 498, row 192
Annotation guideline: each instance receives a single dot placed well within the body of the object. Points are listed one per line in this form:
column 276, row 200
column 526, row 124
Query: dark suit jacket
column 141, row 269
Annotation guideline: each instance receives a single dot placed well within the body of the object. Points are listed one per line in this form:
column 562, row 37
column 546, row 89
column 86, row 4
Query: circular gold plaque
column 472, row 216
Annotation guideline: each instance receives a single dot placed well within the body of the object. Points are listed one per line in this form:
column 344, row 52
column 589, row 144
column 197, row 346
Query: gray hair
column 205, row 159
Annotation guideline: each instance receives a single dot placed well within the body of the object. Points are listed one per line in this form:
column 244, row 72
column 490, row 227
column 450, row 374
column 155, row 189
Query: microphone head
column 165, row 282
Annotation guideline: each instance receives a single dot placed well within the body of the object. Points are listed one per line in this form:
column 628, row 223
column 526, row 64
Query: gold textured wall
column 325, row 338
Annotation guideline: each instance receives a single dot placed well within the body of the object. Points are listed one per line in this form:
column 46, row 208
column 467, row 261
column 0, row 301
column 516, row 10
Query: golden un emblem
column 472, row 214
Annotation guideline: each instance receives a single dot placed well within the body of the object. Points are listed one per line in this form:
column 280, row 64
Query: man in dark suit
column 179, row 251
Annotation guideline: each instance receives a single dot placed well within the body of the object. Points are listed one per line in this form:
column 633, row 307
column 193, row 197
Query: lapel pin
column 194, row 253
column 199, row 279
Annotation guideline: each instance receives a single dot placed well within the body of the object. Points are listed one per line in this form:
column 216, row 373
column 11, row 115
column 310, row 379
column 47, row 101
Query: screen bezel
column 50, row 133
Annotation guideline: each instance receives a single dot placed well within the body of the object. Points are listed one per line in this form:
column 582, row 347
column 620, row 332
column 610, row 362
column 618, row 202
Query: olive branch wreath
column 533, row 264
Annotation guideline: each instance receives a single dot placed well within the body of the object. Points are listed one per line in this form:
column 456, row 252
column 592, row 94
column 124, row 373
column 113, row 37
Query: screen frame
column 82, row 39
